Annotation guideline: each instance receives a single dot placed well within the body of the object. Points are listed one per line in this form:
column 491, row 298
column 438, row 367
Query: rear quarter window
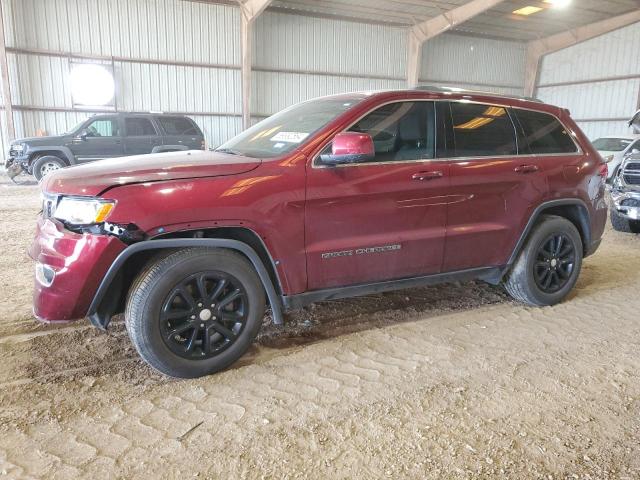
column 544, row 133
column 178, row 126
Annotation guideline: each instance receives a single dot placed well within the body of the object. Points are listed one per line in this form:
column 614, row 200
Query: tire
column 528, row 276
column 45, row 165
column 162, row 321
column 622, row 224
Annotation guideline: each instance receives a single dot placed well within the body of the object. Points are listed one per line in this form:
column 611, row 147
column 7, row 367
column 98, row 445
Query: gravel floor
column 454, row 381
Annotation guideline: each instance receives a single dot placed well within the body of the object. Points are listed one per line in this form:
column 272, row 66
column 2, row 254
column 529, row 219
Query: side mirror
column 83, row 134
column 350, row 147
column 635, row 151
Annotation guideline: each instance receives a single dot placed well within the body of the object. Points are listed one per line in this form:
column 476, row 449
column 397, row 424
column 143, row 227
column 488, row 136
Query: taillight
column 604, row 171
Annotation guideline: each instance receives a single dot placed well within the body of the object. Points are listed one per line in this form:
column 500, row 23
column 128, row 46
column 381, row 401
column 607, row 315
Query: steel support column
column 249, row 11
column 421, row 32
column 537, row 49
column 6, row 84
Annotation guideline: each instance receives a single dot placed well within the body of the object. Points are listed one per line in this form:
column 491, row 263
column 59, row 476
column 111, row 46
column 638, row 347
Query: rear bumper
column 627, row 203
column 69, row 269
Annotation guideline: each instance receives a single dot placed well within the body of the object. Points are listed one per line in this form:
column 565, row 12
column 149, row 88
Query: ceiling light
column 528, row 10
column 558, row 3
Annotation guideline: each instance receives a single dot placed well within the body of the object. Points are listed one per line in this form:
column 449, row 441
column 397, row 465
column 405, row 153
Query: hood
column 36, row 141
column 96, row 177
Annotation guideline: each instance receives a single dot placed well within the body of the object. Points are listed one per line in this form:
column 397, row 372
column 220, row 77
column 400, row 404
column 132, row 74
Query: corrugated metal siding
column 285, row 42
column 611, row 99
column 609, row 55
column 149, row 29
column 454, row 58
column 162, row 30
column 594, row 92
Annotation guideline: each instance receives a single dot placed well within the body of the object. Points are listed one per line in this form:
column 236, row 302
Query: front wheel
column 548, row 266
column 195, row 312
column 43, row 166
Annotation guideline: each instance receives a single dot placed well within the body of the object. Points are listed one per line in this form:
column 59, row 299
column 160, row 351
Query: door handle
column 427, row 175
column 526, row 169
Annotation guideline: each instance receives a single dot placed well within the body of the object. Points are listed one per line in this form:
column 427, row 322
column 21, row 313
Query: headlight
column 83, row 211
column 608, row 158
column 18, row 147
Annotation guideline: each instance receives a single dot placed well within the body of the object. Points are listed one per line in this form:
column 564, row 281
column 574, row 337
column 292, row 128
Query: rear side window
column 178, row 126
column 482, row 130
column 544, row 133
column 138, row 127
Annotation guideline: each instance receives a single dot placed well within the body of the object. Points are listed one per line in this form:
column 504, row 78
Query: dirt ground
column 454, row 381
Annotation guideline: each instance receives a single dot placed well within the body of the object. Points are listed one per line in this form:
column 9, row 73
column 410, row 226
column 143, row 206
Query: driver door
column 103, row 140
column 382, row 219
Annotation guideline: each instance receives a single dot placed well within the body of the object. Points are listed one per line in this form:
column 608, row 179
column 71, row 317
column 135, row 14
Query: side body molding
column 100, row 315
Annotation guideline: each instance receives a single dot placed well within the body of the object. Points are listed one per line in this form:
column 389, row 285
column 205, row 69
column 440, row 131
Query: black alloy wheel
column 203, row 315
column 555, row 261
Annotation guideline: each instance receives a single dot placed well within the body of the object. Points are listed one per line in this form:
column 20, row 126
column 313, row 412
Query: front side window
column 104, row 127
column 178, row 126
column 400, row 131
column 138, row 127
column 544, row 133
column 482, row 130
column 289, row 129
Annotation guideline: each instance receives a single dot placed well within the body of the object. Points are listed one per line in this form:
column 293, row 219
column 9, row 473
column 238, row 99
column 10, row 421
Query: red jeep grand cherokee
column 335, row 197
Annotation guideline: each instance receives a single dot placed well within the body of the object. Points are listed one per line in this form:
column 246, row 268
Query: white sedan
column 613, row 149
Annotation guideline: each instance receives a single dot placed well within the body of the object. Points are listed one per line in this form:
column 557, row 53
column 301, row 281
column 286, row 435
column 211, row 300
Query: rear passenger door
column 181, row 131
column 493, row 187
column 140, row 135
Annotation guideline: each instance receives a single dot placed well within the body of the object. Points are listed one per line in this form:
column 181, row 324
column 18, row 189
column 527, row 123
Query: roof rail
column 440, row 89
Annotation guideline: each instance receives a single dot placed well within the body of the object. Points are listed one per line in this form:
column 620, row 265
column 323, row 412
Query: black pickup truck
column 104, row 136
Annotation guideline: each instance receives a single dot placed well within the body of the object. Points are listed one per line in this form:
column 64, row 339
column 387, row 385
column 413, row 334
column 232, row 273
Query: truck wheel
column 622, row 224
column 548, row 266
column 45, row 165
column 195, row 311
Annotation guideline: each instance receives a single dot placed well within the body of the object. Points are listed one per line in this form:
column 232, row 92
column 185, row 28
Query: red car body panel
column 80, row 262
column 467, row 214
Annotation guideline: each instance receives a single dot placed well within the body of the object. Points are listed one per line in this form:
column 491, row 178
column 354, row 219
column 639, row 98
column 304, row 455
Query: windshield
column 72, row 130
column 611, row 144
column 288, row 129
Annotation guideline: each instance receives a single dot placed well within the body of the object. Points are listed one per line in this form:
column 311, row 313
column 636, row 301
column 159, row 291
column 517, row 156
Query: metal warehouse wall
column 167, row 55
column 598, row 80
column 474, row 63
column 184, row 57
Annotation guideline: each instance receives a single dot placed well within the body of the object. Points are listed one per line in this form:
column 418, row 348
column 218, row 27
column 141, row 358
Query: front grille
column 630, row 202
column 631, row 173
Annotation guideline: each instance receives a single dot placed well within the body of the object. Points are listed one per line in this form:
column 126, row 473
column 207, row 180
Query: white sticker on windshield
column 278, row 145
column 289, row 137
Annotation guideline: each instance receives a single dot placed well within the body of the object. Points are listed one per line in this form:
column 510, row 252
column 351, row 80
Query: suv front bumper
column 626, row 203
column 69, row 268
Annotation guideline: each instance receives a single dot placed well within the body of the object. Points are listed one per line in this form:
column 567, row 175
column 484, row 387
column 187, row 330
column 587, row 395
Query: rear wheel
column 45, row 165
column 195, row 311
column 548, row 266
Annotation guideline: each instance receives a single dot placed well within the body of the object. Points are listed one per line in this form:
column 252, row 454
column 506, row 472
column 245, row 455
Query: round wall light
column 92, row 84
